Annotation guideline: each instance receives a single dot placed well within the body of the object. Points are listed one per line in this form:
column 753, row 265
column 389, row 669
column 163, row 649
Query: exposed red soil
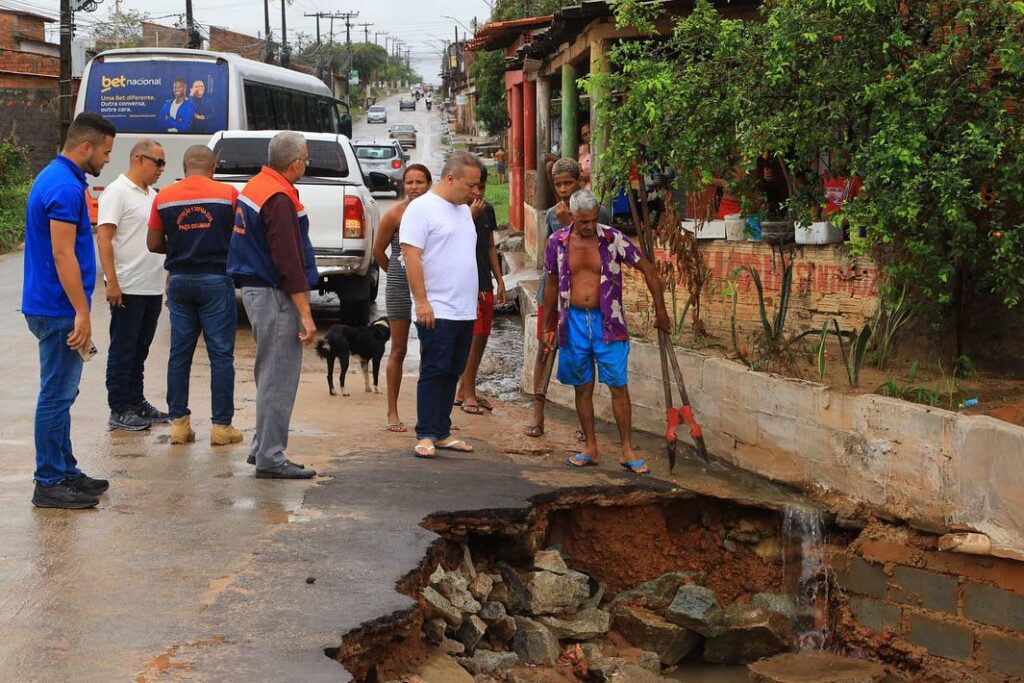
column 622, row 547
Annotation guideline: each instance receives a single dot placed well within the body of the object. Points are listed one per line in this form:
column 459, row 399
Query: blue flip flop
column 630, row 464
column 579, row 460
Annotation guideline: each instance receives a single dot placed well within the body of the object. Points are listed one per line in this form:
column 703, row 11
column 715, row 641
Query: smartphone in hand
column 87, row 353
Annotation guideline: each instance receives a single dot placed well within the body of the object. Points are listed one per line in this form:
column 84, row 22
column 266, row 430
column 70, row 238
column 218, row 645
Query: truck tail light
column 355, row 224
column 395, row 163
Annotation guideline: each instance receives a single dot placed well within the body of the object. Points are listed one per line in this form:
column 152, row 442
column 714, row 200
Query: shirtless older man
column 584, row 263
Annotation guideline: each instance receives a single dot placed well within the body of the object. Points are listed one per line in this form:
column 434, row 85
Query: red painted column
column 515, row 200
column 530, row 127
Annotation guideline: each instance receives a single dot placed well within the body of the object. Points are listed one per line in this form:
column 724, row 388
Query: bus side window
column 260, row 113
column 250, row 108
column 282, row 108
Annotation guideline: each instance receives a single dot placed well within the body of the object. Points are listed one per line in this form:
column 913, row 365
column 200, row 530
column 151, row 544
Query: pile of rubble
column 495, row 618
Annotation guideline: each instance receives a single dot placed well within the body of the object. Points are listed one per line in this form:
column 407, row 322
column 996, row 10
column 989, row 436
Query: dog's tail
column 323, row 348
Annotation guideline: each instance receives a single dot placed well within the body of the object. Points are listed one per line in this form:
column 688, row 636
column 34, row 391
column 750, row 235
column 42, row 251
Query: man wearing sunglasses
column 135, row 285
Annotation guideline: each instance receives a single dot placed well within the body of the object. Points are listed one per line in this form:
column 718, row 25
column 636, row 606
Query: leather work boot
column 181, row 430
column 221, row 435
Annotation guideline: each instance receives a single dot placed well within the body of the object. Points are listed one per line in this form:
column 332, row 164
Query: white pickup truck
column 343, row 215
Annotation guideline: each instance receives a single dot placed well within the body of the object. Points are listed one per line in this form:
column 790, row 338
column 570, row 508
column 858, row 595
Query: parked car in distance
column 338, row 199
column 405, row 133
column 406, row 105
column 377, row 114
column 383, row 156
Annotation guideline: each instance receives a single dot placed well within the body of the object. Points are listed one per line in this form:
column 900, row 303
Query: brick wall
column 223, row 40
column 827, row 282
column 28, row 99
column 925, row 610
column 19, row 26
column 156, row 35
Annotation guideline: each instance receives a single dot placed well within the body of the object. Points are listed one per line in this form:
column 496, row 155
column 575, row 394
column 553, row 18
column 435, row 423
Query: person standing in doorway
column 60, row 274
column 438, row 245
column 192, row 222
column 135, row 285
column 585, row 158
column 583, row 296
column 416, row 182
column 271, row 258
column 487, row 263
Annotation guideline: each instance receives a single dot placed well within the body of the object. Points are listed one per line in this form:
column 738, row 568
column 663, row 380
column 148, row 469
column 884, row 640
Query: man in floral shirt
column 583, row 266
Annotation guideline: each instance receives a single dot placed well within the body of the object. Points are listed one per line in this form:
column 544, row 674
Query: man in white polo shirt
column 439, row 248
column 135, row 285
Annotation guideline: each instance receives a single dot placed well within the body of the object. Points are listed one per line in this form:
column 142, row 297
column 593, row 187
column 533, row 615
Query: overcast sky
column 414, row 22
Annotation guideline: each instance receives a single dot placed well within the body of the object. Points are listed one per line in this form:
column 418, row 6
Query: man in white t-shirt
column 439, row 249
column 135, row 285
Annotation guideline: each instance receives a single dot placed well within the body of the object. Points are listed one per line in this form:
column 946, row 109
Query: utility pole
column 366, row 32
column 317, row 15
column 285, row 57
column 268, row 53
column 190, row 26
column 67, row 19
column 349, row 16
column 117, row 23
column 377, row 34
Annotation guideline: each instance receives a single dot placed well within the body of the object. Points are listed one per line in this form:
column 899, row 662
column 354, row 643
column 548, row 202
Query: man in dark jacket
column 271, row 257
column 192, row 221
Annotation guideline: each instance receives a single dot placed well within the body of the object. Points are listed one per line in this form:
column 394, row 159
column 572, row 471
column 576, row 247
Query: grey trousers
column 275, row 329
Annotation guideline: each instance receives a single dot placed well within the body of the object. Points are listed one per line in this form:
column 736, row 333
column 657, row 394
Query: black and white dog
column 367, row 343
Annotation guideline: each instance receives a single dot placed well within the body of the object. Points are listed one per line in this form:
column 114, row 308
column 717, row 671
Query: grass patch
column 497, row 195
column 12, row 215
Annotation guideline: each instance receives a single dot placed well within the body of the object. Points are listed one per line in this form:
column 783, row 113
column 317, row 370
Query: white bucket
column 821, row 232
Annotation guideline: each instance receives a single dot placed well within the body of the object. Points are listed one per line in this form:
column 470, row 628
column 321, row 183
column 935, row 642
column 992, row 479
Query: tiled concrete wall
column 936, row 469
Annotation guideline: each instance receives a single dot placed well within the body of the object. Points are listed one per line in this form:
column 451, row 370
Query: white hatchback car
column 377, row 114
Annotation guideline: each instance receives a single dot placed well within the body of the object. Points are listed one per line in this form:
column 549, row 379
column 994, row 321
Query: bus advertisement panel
column 160, row 96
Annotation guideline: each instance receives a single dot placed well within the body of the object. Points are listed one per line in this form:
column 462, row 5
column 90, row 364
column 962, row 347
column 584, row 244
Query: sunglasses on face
column 160, row 163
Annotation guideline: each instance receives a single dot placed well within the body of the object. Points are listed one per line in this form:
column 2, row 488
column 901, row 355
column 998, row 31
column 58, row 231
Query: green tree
column 924, row 98
column 488, row 70
column 120, row 30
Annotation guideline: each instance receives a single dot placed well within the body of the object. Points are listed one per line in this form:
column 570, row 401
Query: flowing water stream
column 805, row 575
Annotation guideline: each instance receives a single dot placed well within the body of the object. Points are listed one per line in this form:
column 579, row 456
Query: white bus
column 181, row 97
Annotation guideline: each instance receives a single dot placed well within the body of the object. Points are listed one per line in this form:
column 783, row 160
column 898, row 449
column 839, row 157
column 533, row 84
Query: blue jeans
column 132, row 327
column 443, row 353
column 60, row 369
column 202, row 303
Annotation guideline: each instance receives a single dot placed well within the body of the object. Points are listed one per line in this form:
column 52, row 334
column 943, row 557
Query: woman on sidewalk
column 417, row 181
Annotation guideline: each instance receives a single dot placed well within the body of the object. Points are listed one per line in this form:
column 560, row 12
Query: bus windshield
column 160, row 95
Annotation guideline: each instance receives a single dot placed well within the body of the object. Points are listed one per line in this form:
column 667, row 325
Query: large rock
column 514, row 594
column 534, row 643
column 749, row 633
column 775, row 602
column 480, row 587
column 587, row 624
column 472, row 630
column 696, row 608
column 551, row 561
column 551, row 593
column 492, row 611
column 818, row 667
column 455, row 588
column 648, row 631
column 503, row 629
column 439, row 606
column 487, row 662
column 433, row 630
column 655, row 595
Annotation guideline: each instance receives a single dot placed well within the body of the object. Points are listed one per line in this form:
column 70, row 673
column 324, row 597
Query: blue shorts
column 584, row 346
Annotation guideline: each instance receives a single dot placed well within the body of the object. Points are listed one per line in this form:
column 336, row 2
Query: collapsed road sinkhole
column 593, row 583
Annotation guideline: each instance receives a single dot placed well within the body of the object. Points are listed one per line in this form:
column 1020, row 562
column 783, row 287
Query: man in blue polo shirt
column 60, row 273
